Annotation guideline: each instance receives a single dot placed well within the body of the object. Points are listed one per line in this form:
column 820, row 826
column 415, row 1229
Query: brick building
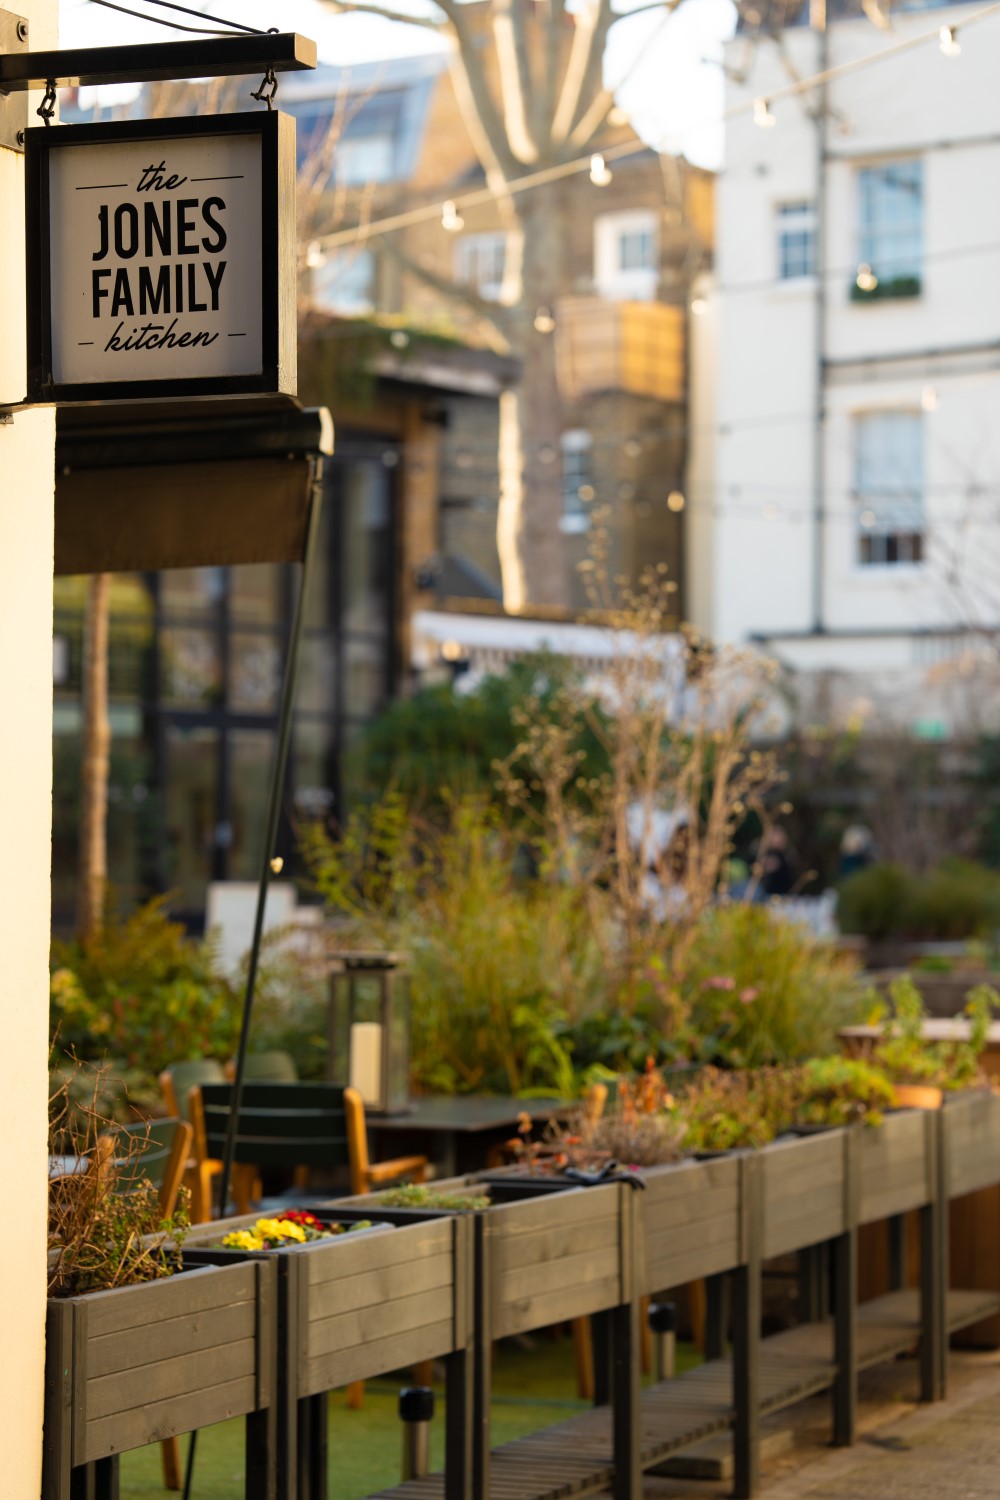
column 396, row 139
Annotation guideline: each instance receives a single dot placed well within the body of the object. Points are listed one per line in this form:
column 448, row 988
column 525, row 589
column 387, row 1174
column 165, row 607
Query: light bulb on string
column 949, row 43
column 544, row 321
column 928, row 399
column 699, row 306
column 314, row 255
column 451, row 219
column 675, row 502
column 762, row 115
column 866, row 280
column 600, row 172
column 399, row 338
column 867, row 519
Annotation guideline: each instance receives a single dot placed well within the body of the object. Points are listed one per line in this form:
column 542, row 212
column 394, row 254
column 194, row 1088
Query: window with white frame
column 345, row 282
column 796, row 240
column 889, row 487
column 627, row 255
column 479, row 263
column 577, row 476
column 890, row 220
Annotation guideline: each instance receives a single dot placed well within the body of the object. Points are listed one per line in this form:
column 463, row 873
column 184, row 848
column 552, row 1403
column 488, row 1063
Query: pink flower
column 718, row 982
column 748, row 996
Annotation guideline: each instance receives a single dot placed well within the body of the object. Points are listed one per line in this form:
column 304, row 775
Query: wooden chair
column 155, row 1151
column 176, row 1083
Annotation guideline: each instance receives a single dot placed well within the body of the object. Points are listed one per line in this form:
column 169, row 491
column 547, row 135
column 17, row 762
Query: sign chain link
column 47, row 108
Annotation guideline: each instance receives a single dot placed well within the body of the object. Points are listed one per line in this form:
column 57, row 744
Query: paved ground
column 948, row 1451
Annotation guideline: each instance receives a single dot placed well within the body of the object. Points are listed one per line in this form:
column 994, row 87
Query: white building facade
column 844, row 489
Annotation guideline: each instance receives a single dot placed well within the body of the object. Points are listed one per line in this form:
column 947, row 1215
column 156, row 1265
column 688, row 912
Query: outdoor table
column 458, row 1132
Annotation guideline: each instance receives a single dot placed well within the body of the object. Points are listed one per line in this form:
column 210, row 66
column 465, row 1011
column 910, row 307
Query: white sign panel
column 156, row 260
column 164, row 264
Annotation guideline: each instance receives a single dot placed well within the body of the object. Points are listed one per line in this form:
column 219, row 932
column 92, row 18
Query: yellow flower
column 280, row 1229
column 243, row 1239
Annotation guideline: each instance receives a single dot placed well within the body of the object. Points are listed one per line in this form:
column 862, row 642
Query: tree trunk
column 529, row 539
column 93, row 870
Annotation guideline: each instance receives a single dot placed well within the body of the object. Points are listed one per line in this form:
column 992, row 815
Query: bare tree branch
column 588, row 24
column 490, row 315
column 385, row 12
column 511, row 42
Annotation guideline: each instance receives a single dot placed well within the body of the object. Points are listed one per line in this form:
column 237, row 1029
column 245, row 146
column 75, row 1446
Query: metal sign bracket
column 13, row 106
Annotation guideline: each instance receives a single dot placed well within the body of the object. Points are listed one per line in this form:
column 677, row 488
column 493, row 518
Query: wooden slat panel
column 545, row 1246
column 803, row 1192
column 557, row 1306
column 368, row 1324
column 893, row 1167
column 367, row 1361
column 161, row 1380
column 329, row 1298
column 189, row 1292
column 973, row 1142
column 555, row 1275
column 148, row 1424
column 127, row 1350
column 371, row 1252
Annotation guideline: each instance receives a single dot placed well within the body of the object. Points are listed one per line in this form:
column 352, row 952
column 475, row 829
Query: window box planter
column 355, row 1307
column 131, row 1366
column 893, row 289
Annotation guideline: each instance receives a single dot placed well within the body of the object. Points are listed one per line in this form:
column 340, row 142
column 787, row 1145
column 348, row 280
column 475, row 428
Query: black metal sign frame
column 276, row 132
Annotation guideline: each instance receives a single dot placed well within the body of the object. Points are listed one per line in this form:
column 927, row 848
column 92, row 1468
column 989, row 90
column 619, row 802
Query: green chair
column 263, row 1067
column 153, row 1151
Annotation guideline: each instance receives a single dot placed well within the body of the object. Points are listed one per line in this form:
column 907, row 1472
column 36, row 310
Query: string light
column 762, row 115
column 675, row 502
column 867, row 519
column 600, row 172
column 451, row 219
column 950, row 45
column 531, row 180
column 699, row 306
column 544, row 321
column 399, row 338
column 314, row 255
column 929, row 398
column 866, row 280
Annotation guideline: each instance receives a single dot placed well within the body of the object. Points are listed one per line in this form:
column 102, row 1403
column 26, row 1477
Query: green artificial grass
column 534, row 1385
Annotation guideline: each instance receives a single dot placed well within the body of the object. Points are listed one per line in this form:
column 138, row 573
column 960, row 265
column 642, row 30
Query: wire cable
column 138, row 15
column 428, row 211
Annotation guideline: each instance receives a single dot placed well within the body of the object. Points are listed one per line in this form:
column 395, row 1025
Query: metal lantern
column 368, row 1028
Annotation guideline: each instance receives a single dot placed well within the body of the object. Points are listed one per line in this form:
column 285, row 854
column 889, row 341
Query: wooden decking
column 574, row 1458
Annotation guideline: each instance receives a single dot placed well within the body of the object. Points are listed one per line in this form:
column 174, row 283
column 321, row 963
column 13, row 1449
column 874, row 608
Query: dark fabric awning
column 184, row 484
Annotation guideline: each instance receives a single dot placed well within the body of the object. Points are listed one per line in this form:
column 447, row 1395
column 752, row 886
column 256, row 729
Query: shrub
column 139, row 989
column 722, row 1111
column 959, row 899
column 842, row 1091
column 760, row 990
column 907, row 1057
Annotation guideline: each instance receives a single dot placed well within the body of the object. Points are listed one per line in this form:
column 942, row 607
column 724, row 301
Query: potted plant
column 141, row 1344
column 923, row 1070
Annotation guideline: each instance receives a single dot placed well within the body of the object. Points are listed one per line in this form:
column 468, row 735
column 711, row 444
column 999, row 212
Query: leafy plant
column 842, row 1091
column 759, row 990
column 908, row 1057
column 105, row 1225
column 958, row 899
column 417, row 1195
column 139, row 989
column 722, row 1111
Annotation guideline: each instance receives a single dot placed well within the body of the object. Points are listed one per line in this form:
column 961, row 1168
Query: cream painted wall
column 26, row 490
column 752, row 542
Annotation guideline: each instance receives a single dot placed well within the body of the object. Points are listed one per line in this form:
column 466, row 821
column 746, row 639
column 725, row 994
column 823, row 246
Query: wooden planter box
column 970, row 1166
column 357, row 1307
column 807, row 1194
column 128, row 1367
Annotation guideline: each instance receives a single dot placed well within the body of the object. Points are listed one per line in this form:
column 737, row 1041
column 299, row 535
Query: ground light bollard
column 416, row 1408
column 662, row 1318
